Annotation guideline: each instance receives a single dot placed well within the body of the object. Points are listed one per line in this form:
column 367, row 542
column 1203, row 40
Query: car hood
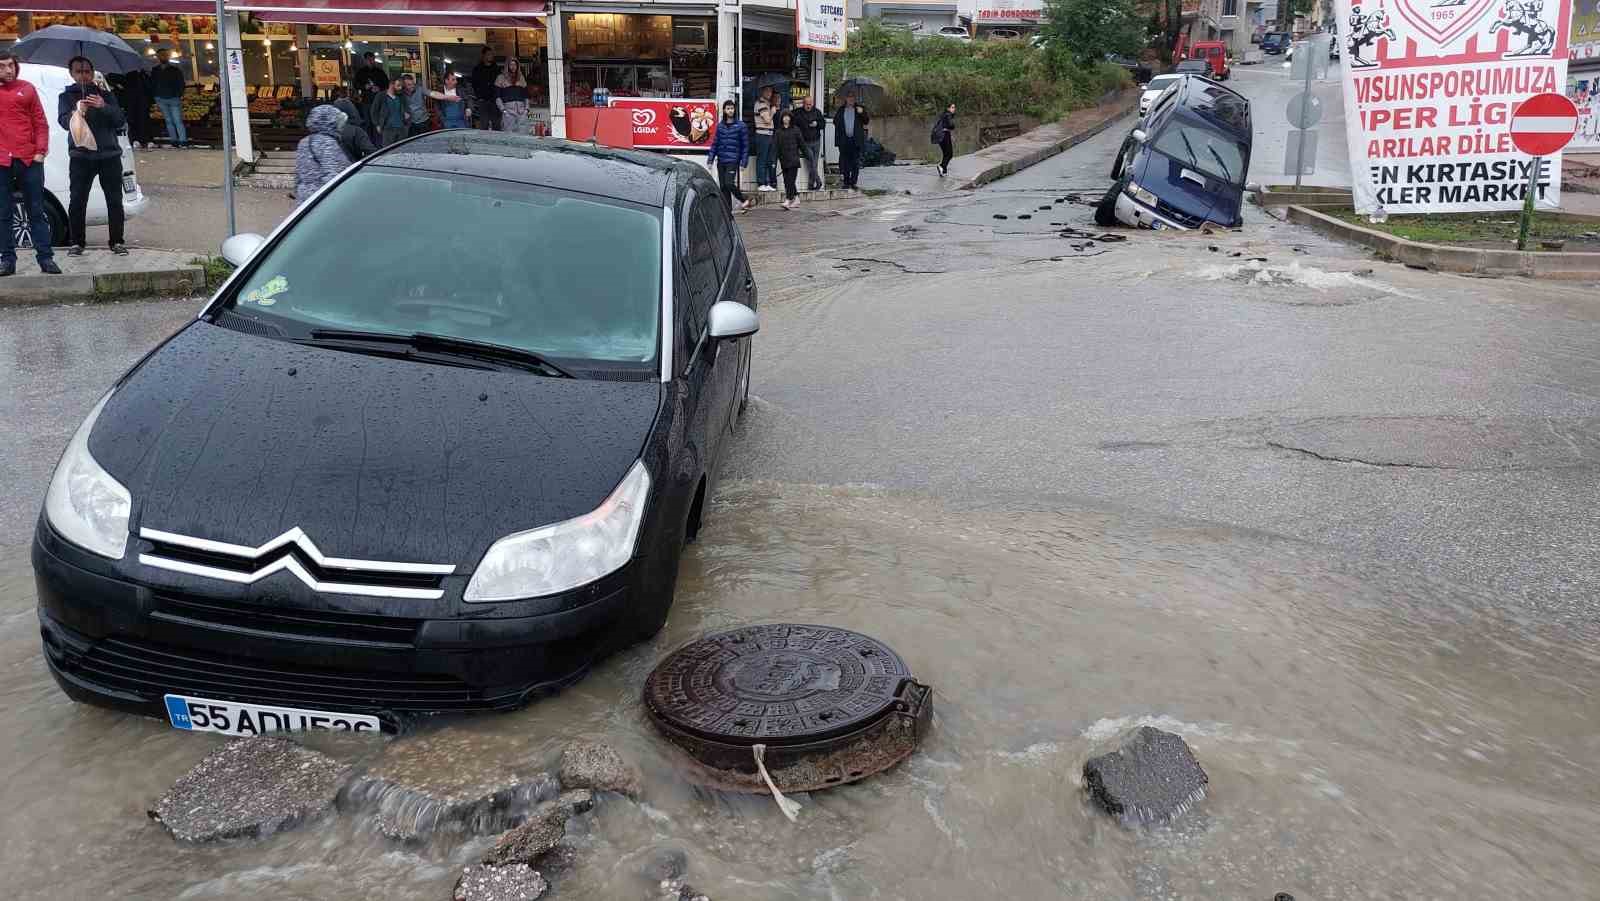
column 239, row 438
column 1216, row 200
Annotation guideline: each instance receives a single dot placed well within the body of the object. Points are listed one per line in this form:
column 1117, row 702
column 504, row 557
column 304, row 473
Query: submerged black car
column 436, row 446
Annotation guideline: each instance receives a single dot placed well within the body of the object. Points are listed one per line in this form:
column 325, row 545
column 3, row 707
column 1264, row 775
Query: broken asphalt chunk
column 544, row 828
column 599, row 767
column 1150, row 780
column 250, row 788
column 513, row 882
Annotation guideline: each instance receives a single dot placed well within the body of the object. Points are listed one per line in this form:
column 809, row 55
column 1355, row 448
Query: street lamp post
column 226, row 60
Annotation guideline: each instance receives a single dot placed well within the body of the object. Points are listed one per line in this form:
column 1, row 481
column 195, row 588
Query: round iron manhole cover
column 776, row 684
column 805, row 692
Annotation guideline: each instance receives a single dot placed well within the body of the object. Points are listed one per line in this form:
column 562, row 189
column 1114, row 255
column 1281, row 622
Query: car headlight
column 1140, row 194
column 559, row 557
column 85, row 504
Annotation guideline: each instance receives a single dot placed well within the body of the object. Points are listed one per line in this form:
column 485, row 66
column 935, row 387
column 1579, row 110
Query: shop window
column 204, row 54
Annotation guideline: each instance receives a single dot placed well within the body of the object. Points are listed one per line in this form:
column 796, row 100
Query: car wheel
column 1105, row 214
column 24, row 236
column 1122, row 153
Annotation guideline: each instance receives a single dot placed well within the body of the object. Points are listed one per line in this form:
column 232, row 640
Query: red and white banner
column 820, row 25
column 1429, row 91
column 1003, row 12
column 670, row 123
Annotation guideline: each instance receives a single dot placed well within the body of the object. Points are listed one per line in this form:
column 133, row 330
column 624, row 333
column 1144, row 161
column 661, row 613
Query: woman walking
column 318, row 157
column 730, row 149
column 790, row 144
column 451, row 105
column 943, row 134
column 511, row 96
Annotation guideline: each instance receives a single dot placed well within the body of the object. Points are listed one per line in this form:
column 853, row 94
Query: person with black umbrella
column 94, row 154
column 850, row 136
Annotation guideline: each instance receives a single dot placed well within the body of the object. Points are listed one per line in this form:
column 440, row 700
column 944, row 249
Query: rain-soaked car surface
column 1185, row 162
column 390, row 476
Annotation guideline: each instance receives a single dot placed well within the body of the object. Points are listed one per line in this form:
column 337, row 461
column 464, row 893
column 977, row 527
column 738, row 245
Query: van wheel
column 1105, row 214
column 1122, row 153
column 20, row 227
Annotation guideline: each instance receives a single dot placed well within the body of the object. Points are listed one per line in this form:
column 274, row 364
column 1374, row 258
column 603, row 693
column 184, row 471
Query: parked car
column 426, row 476
column 50, row 81
column 1185, row 163
column 953, row 32
column 1274, row 43
column 1153, row 89
column 1215, row 56
column 1140, row 70
column 1004, row 34
column 1192, row 67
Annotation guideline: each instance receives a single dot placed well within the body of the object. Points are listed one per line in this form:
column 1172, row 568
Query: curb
column 1443, row 258
column 1038, row 155
column 21, row 290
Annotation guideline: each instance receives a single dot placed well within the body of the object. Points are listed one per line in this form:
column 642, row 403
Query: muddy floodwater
column 1367, row 734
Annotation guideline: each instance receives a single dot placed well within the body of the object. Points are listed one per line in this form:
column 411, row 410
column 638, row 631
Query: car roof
column 1216, row 103
column 629, row 175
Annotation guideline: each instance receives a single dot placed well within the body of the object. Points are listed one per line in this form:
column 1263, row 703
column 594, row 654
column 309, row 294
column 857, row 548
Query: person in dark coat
column 944, row 131
column 850, row 136
column 812, row 122
column 730, row 150
column 485, row 112
column 87, row 165
column 789, row 144
column 352, row 137
column 166, row 86
column 133, row 95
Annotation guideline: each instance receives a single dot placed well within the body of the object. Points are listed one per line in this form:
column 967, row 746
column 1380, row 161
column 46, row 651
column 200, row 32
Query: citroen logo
column 332, row 575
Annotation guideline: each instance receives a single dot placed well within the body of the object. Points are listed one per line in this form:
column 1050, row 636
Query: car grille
column 287, row 622
column 137, row 667
column 1176, row 215
column 295, row 553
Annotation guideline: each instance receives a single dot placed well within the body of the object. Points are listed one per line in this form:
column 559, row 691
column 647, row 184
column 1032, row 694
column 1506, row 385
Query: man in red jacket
column 24, row 141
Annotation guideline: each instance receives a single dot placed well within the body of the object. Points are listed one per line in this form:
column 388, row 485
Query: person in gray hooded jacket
column 319, row 158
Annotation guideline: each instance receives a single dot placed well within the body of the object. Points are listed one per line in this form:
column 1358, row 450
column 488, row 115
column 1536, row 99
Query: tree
column 1090, row 29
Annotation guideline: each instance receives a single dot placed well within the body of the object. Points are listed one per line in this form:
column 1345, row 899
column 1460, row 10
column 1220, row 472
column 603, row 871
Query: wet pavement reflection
column 1367, row 734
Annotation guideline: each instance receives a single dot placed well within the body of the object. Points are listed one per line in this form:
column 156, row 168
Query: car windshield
column 564, row 276
column 1206, row 149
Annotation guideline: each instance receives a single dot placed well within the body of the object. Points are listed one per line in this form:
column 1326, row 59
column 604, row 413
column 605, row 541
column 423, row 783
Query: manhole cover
column 830, row 705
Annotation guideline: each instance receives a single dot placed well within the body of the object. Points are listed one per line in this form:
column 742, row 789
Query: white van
column 50, row 81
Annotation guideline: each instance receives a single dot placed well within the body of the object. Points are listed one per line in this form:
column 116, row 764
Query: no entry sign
column 1543, row 124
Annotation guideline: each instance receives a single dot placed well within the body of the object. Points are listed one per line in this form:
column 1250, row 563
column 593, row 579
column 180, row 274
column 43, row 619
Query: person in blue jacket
column 730, row 148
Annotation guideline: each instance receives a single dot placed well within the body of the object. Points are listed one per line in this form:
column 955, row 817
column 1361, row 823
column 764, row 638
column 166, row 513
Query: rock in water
column 450, row 778
column 1151, row 779
column 599, row 767
column 250, row 787
column 544, row 828
column 678, row 890
column 514, row 882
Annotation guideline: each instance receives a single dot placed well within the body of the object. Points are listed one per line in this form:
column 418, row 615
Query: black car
column 435, row 446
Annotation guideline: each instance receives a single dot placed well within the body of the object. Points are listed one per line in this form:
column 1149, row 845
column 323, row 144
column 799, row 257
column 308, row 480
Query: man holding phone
column 99, row 158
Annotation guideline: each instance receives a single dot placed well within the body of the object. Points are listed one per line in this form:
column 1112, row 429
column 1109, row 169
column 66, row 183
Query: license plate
column 1157, row 224
column 228, row 718
column 129, row 186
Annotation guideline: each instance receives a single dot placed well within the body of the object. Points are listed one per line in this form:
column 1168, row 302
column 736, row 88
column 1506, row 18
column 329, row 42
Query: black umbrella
column 867, row 90
column 772, row 80
column 58, row 44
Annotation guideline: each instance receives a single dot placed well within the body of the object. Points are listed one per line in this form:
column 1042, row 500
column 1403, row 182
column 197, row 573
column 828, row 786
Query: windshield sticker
column 267, row 294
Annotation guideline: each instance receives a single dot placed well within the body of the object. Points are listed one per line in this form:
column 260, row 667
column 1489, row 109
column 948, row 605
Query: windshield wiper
column 1193, row 157
column 1226, row 172
column 446, row 344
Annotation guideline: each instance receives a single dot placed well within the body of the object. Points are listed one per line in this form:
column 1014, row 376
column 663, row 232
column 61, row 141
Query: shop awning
column 114, row 7
column 443, row 13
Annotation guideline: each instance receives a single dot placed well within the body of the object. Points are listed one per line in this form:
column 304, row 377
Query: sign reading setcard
column 1430, row 87
column 669, row 123
column 820, row 25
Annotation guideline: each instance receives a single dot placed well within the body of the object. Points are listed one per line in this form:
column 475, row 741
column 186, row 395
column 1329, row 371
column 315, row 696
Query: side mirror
column 240, row 248
column 732, row 320
column 1139, row 136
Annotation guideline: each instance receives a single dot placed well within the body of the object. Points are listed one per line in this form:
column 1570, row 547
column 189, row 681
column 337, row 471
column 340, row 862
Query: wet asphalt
column 990, row 349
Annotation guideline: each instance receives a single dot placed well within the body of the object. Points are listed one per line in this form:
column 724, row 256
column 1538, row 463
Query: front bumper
column 1132, row 212
column 114, row 642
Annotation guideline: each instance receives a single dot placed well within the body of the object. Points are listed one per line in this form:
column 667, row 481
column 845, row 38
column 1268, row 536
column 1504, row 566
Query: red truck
column 1215, row 55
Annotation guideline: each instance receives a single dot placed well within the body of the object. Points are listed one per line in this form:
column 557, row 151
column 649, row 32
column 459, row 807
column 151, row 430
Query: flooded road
column 1367, row 735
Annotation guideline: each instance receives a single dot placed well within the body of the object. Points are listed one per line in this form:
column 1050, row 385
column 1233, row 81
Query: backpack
column 937, row 135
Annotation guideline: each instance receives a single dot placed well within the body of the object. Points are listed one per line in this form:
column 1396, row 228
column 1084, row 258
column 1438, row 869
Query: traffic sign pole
column 1541, row 126
column 1527, row 204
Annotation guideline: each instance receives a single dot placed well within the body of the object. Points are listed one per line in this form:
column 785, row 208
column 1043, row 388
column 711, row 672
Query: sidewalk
column 1005, row 158
column 101, row 275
